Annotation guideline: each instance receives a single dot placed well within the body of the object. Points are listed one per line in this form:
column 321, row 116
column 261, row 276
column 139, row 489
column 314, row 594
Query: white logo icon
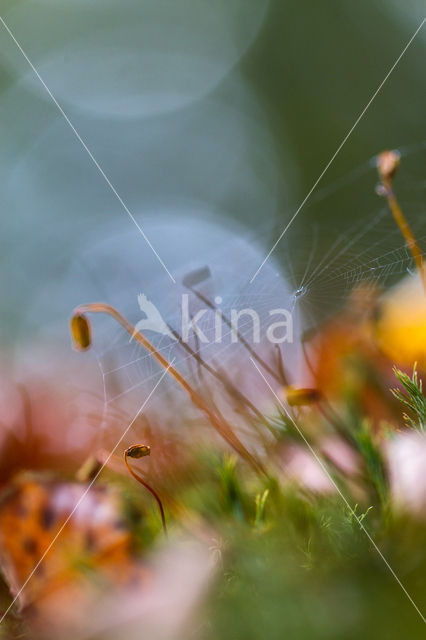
column 153, row 320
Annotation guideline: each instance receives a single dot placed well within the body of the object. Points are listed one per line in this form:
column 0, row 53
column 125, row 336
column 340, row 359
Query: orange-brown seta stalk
column 140, row 451
column 387, row 164
column 81, row 335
